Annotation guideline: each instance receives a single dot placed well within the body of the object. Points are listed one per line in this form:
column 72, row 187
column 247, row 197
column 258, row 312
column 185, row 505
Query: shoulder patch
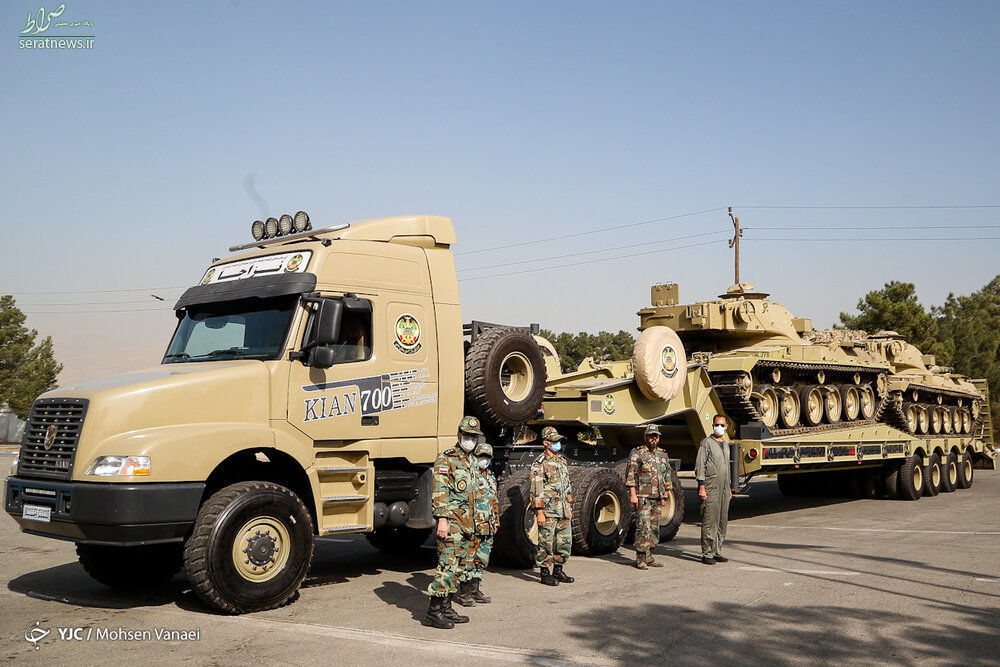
column 443, row 469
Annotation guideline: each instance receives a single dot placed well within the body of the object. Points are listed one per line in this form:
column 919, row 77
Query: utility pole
column 735, row 241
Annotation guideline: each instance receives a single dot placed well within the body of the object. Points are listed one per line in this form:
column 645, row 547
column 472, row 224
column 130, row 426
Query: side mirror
column 326, row 326
column 321, row 357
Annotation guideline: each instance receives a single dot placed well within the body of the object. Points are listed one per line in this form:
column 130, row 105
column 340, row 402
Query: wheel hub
column 261, row 548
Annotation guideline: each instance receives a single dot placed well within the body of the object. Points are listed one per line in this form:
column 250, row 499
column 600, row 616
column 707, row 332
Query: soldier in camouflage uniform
column 453, row 503
column 552, row 499
column 648, row 480
column 487, row 509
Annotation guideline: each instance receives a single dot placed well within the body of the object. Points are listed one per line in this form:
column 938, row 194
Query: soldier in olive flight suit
column 487, row 509
column 552, row 499
column 453, row 502
column 711, row 469
column 648, row 480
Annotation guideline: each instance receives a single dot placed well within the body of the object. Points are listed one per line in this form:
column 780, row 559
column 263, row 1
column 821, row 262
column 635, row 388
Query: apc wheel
column 932, row 475
column 850, row 398
column 812, row 405
column 867, row 395
column 672, row 513
column 251, row 547
column 911, row 412
column 601, row 510
column 516, row 541
column 504, row 377
column 965, row 470
column 911, row 479
column 398, row 539
column 789, row 409
column 949, row 473
column 833, row 405
column 767, row 405
column 131, row 567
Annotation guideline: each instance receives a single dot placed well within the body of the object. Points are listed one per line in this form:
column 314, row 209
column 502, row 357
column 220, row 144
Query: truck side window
column 355, row 342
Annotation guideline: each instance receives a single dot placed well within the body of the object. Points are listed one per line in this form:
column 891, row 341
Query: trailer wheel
column 516, row 541
column 911, row 479
column 601, row 510
column 932, row 476
column 867, row 484
column 891, row 480
column 251, row 547
column 965, row 470
column 398, row 539
column 949, row 473
column 131, row 567
column 504, row 377
column 790, row 485
column 673, row 513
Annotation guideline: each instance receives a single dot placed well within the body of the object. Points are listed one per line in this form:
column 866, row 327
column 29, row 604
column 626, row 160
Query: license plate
column 37, row 513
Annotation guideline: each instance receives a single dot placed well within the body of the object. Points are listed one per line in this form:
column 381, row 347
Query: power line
column 106, row 291
column 88, row 303
column 928, row 206
column 592, row 231
column 77, row 312
column 879, row 227
column 861, row 239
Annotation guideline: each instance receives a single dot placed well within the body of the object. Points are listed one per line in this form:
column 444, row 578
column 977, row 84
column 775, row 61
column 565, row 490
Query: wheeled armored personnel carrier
column 762, row 362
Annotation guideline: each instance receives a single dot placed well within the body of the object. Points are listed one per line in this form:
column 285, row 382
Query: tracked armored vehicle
column 763, row 364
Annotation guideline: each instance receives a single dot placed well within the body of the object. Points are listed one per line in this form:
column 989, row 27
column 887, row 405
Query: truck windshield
column 217, row 331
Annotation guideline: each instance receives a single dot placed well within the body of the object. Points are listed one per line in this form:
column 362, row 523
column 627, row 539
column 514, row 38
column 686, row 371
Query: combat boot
column 477, row 594
column 435, row 616
column 640, row 560
column 652, row 562
column 464, row 596
column 547, row 579
column 559, row 575
column 448, row 612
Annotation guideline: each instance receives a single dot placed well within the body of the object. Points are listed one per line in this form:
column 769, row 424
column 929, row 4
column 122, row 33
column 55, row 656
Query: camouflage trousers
column 647, row 525
column 555, row 541
column 479, row 551
column 453, row 559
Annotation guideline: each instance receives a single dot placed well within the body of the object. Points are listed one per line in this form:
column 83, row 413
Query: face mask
column 484, row 464
column 720, row 429
column 652, row 444
column 467, row 443
column 555, row 447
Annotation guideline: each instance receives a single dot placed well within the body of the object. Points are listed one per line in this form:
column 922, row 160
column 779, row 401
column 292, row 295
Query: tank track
column 896, row 417
column 741, row 409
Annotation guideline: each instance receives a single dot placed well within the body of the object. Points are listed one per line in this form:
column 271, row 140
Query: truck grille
column 51, row 454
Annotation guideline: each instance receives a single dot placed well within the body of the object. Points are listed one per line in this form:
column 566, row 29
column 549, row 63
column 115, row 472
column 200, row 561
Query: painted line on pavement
column 869, row 530
column 838, row 573
column 987, row 580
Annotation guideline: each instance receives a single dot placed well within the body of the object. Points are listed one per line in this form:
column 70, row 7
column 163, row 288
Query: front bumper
column 104, row 513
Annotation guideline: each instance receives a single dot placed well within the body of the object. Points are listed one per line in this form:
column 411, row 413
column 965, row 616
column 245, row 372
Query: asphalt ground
column 809, row 581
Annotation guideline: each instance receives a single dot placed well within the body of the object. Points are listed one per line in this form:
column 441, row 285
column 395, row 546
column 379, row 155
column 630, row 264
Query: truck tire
column 949, row 473
column 601, row 510
column 911, row 479
column 504, row 377
column 270, row 521
column 932, row 476
column 868, row 483
column 965, row 470
column 659, row 363
column 891, row 480
column 131, row 567
column 672, row 515
column 516, row 541
column 398, row 539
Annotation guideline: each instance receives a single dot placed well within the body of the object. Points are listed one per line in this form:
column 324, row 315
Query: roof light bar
column 291, row 237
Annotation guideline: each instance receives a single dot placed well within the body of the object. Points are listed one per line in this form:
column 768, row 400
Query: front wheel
column 251, row 547
column 130, row 567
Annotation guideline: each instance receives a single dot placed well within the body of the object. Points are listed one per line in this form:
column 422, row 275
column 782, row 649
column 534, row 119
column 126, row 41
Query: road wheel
column 672, row 513
column 601, row 510
column 767, row 405
column 890, row 477
column 965, row 470
column 850, row 398
column 936, row 420
column 504, row 377
column 932, row 476
column 789, row 409
column 398, row 539
column 833, row 405
column 812, row 405
column 867, row 401
column 131, row 567
column 911, row 478
column 251, row 547
column 912, row 415
column 947, row 419
column 923, row 420
column 949, row 473
column 516, row 541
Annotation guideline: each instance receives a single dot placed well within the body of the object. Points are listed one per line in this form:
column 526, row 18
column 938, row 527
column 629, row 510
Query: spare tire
column 659, row 363
column 516, row 541
column 504, row 377
column 601, row 510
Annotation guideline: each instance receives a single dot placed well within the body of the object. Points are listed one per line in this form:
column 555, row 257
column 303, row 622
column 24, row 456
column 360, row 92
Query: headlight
column 257, row 230
column 271, row 228
column 110, row 466
column 285, row 224
column 13, row 466
column 301, row 221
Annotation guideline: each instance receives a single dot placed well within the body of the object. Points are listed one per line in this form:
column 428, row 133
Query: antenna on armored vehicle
column 735, row 242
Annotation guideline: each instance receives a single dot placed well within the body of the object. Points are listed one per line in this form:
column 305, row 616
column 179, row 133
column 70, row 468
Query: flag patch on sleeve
column 443, row 469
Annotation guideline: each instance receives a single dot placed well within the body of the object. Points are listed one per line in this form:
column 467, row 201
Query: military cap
column 484, row 450
column 652, row 429
column 470, row 425
column 550, row 434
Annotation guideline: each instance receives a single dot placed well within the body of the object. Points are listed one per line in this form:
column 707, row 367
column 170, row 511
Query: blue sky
column 127, row 165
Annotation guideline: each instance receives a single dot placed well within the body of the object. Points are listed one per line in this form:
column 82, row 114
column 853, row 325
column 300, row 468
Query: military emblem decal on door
column 370, row 395
column 407, row 334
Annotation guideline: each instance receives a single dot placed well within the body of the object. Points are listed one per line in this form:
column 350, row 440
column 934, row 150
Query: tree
column 895, row 308
column 26, row 369
column 603, row 346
